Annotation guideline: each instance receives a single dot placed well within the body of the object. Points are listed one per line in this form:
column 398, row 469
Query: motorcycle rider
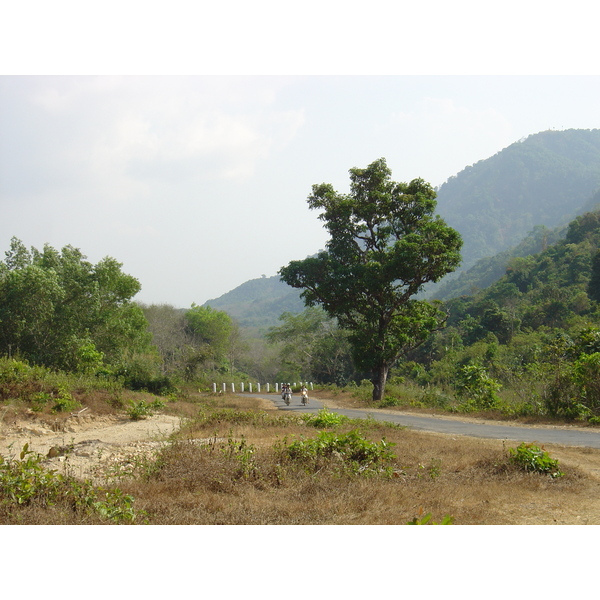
column 304, row 392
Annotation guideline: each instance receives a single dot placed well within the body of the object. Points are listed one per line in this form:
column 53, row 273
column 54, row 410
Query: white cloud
column 117, row 141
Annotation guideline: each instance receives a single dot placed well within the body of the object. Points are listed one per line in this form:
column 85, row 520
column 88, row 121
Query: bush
column 24, row 481
column 532, row 458
column 142, row 409
column 64, row 401
column 350, row 451
column 476, row 387
column 325, row 418
column 364, row 391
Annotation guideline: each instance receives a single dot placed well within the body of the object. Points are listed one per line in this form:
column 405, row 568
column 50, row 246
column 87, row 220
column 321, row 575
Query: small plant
column 64, row 401
column 142, row 409
column 24, row 481
column 350, row 450
column 533, row 458
column 39, row 400
column 325, row 418
column 426, row 519
column 244, row 454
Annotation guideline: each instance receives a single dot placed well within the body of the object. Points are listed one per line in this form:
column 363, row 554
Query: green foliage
column 312, row 345
column 142, row 409
column 426, row 520
column 325, row 418
column 59, row 310
column 244, row 453
column 476, row 387
column 385, row 245
column 363, row 391
column 210, row 327
column 533, row 458
column 141, row 373
column 25, row 481
column 350, row 451
column 64, row 401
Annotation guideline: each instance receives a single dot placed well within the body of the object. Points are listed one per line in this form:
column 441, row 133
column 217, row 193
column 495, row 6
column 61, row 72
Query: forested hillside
column 545, row 179
column 513, row 204
column 534, row 333
column 487, row 271
column 257, row 304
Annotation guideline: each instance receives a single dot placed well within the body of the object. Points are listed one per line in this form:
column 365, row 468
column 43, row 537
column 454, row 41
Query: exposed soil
column 88, row 446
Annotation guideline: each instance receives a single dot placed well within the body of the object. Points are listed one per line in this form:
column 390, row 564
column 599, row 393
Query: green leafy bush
column 533, row 458
column 142, row 409
column 64, row 401
column 25, row 481
column 351, row 451
column 325, row 418
column 476, row 387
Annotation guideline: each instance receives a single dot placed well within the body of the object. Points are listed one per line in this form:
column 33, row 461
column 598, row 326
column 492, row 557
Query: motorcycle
column 287, row 396
column 304, row 397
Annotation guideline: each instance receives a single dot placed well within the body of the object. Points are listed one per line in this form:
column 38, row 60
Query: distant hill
column 487, row 271
column 509, row 205
column 258, row 303
column 550, row 289
column 544, row 179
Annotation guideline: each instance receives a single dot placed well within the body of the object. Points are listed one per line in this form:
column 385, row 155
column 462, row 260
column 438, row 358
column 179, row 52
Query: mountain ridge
column 531, row 188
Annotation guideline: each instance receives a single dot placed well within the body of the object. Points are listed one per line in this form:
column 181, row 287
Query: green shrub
column 434, row 397
column 64, row 401
column 364, row 391
column 25, row 481
column 350, row 451
column 325, row 418
column 142, row 409
column 533, row 458
column 476, row 388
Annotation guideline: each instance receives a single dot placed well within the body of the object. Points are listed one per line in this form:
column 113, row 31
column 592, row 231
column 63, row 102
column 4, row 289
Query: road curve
column 564, row 436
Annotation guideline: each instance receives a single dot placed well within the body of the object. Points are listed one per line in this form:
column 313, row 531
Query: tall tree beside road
column 385, row 244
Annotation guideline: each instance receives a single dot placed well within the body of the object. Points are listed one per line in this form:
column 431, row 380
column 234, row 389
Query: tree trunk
column 379, row 380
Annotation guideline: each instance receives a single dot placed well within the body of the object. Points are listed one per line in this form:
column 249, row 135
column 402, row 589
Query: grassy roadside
column 237, row 461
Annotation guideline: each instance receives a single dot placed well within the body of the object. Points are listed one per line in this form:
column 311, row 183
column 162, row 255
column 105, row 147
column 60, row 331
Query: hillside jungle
column 526, row 346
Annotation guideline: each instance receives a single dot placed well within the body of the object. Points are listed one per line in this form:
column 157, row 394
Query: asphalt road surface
column 564, row 435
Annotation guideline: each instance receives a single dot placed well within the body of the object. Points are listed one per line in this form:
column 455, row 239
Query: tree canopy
column 385, row 245
column 59, row 310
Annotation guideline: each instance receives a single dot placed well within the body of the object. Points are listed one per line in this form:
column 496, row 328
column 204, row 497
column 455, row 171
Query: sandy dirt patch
column 89, row 446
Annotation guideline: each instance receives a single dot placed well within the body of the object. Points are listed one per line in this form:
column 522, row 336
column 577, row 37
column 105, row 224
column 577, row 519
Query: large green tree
column 56, row 308
column 385, row 245
column 215, row 335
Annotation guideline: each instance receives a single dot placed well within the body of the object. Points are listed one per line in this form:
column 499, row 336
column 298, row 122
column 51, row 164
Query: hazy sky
column 198, row 183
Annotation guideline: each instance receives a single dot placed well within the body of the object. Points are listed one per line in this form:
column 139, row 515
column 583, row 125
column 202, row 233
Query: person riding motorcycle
column 304, row 394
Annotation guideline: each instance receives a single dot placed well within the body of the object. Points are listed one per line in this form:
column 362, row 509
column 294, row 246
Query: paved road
column 565, row 436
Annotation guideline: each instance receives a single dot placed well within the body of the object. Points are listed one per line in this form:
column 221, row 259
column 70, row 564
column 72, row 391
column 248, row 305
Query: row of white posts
column 268, row 387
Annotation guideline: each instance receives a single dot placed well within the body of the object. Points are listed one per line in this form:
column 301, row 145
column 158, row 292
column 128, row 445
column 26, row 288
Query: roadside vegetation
column 235, row 462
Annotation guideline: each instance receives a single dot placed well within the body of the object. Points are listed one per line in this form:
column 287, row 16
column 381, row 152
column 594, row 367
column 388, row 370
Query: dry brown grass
column 468, row 479
column 227, row 465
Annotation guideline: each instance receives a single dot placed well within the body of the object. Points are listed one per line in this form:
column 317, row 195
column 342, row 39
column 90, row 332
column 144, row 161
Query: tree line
column 529, row 343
